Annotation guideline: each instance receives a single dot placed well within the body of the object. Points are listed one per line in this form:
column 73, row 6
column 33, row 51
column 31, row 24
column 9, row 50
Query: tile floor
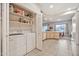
column 53, row 47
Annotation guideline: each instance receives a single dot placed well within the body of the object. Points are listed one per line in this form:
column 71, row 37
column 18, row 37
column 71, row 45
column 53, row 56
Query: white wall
column 39, row 31
column 74, row 28
column 75, row 35
column 5, row 29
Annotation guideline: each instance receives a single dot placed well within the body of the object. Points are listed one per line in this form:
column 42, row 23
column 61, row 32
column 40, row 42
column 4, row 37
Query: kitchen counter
column 52, row 34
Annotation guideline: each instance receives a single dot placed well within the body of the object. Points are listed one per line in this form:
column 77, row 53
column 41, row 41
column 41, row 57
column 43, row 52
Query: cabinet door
column 44, row 35
column 30, row 42
column 17, row 45
column 20, row 45
column 12, row 46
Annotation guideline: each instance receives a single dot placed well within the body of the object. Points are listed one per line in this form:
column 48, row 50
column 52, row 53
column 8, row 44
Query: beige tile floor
column 53, row 47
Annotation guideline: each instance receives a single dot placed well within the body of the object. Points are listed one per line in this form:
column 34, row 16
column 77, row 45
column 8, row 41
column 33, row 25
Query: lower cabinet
column 30, row 41
column 44, row 35
column 20, row 45
column 51, row 34
column 17, row 44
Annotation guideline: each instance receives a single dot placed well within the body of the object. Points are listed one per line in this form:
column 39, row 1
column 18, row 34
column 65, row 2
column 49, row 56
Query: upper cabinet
column 20, row 14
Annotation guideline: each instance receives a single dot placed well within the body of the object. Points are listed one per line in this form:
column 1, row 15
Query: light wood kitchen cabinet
column 51, row 34
column 44, row 35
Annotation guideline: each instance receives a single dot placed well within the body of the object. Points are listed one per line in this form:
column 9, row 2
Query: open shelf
column 21, row 15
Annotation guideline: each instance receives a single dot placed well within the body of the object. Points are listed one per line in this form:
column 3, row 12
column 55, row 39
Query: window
column 45, row 28
column 60, row 27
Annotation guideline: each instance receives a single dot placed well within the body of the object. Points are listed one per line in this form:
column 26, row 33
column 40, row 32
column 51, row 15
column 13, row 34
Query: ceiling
column 58, row 11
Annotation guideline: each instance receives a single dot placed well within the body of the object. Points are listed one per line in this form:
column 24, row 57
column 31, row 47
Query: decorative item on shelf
column 22, row 15
column 27, row 22
column 19, row 11
column 50, row 28
column 20, row 20
column 29, row 15
column 11, row 8
column 24, row 21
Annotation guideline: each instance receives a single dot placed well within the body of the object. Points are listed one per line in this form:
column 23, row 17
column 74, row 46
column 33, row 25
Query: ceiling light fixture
column 69, row 12
column 51, row 6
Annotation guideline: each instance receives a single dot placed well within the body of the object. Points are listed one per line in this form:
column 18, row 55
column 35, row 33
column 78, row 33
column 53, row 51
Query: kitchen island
column 51, row 35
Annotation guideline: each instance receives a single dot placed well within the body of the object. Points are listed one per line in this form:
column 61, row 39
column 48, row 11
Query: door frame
column 5, row 29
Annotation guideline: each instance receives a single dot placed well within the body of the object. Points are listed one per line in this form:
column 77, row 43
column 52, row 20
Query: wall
column 5, row 29
column 74, row 28
column 39, row 31
column 75, row 35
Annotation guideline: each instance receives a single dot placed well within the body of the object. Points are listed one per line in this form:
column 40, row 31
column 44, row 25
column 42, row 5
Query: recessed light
column 69, row 9
column 51, row 6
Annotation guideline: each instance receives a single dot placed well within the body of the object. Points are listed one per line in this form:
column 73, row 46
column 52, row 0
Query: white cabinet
column 12, row 46
column 30, row 37
column 17, row 44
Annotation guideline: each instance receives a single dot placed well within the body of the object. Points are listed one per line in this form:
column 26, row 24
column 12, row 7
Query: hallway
column 52, row 47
